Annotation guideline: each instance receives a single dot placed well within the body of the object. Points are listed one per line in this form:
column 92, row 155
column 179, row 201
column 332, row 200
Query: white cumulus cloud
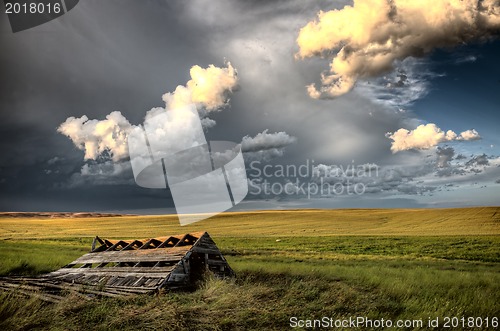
column 208, row 88
column 469, row 135
column 368, row 37
column 97, row 137
column 426, row 136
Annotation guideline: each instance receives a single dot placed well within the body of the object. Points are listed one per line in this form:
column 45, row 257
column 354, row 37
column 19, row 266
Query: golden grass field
column 379, row 263
column 352, row 222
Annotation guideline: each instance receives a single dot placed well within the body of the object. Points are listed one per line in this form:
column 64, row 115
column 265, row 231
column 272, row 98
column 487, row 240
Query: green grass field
column 391, row 264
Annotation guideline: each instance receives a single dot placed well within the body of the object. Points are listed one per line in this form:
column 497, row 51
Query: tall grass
column 32, row 257
column 265, row 299
column 282, row 271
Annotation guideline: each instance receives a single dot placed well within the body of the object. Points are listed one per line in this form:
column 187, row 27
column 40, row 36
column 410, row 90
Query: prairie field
column 396, row 264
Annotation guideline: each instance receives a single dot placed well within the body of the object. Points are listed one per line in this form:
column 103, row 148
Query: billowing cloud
column 425, row 136
column 469, row 135
column 208, row 88
column 97, row 137
column 367, row 38
column 266, row 146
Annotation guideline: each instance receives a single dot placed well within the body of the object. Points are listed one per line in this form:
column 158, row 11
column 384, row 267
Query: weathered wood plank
column 94, row 242
column 170, row 242
column 115, row 245
column 216, row 262
column 205, row 250
column 152, row 270
column 67, row 287
column 82, row 278
column 145, row 255
column 136, row 243
column 186, row 240
column 195, row 235
column 34, row 285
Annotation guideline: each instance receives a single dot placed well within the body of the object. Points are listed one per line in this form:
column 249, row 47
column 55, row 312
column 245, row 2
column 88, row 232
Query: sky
column 382, row 104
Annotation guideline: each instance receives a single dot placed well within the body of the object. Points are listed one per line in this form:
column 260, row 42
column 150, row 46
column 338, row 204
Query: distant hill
column 56, row 215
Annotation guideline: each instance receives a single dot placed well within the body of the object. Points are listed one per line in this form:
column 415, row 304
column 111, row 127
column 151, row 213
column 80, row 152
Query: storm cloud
column 367, row 38
column 120, row 57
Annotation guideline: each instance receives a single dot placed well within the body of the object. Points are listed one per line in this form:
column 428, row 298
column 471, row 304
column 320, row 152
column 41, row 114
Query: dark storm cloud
column 123, row 55
column 265, row 146
column 103, row 56
column 478, row 161
column 423, row 177
column 272, row 83
column 444, row 156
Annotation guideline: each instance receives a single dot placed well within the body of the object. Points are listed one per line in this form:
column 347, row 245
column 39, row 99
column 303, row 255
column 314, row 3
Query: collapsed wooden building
column 123, row 267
